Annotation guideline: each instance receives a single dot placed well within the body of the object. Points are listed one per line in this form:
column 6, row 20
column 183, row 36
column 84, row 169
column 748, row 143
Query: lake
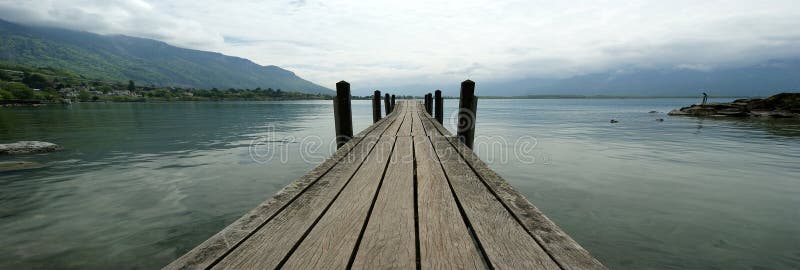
column 139, row 184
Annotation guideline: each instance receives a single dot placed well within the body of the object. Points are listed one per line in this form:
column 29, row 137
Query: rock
column 28, row 147
column 783, row 105
column 8, row 166
column 652, row 112
column 614, row 121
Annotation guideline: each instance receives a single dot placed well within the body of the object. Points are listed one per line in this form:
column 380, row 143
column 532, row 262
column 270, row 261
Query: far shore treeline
column 26, row 84
column 21, row 83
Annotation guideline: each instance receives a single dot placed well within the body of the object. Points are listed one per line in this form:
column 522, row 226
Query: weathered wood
column 332, row 241
column 389, row 239
column 506, row 243
column 434, row 128
column 417, row 128
column 269, row 245
column 467, row 109
column 343, row 114
column 425, row 101
column 447, row 243
column 405, row 129
column 393, row 103
column 387, row 102
column 429, row 104
column 399, row 195
column 214, row 248
column 439, row 106
column 376, row 106
column 568, row 253
column 395, row 128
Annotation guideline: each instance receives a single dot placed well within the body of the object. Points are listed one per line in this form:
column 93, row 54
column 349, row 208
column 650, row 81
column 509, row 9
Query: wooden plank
column 505, row 242
column 211, row 250
column 417, row 129
column 405, row 129
column 445, row 242
column 434, row 128
column 331, row 242
column 389, row 239
column 396, row 126
column 271, row 243
column 561, row 247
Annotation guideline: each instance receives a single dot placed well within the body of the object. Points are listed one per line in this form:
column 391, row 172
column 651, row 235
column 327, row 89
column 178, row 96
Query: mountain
column 146, row 61
column 762, row 79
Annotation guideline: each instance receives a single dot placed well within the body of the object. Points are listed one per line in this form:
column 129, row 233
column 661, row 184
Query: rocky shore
column 28, row 147
column 783, row 105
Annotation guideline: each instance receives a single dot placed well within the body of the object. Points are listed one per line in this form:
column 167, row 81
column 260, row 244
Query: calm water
column 140, row 184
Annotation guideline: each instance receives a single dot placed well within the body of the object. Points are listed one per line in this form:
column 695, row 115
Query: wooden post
column 439, row 110
column 429, row 105
column 425, row 102
column 342, row 114
column 376, row 106
column 387, row 104
column 393, row 103
column 467, row 107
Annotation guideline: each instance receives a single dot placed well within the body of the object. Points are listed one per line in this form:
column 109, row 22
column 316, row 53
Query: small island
column 783, row 105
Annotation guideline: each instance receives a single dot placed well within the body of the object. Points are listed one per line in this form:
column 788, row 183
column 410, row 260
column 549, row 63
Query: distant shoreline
column 599, row 97
column 6, row 103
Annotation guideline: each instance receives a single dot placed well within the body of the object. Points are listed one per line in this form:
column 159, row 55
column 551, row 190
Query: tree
column 5, row 95
column 18, row 90
column 4, row 76
column 131, row 86
column 83, row 95
column 35, row 80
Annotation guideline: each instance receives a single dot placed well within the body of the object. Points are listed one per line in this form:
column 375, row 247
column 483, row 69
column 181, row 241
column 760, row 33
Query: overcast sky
column 391, row 44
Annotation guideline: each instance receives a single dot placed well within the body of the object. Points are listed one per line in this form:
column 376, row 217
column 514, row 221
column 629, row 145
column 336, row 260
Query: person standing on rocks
column 705, row 98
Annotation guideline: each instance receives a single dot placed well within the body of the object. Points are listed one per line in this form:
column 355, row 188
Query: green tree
column 131, row 86
column 36, row 80
column 105, row 89
column 19, row 90
column 4, row 76
column 5, row 94
column 83, row 95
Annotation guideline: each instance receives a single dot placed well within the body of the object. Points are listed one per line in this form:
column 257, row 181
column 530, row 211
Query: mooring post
column 342, row 114
column 429, row 105
column 425, row 102
column 376, row 106
column 439, row 110
column 467, row 107
column 393, row 103
column 386, row 103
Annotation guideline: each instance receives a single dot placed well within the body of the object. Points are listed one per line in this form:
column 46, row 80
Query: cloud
column 417, row 44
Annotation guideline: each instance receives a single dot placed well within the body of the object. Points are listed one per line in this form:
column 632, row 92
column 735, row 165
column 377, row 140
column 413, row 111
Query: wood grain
column 417, row 128
column 566, row 252
column 506, row 243
column 211, row 250
column 389, row 239
column 271, row 243
column 445, row 242
column 331, row 242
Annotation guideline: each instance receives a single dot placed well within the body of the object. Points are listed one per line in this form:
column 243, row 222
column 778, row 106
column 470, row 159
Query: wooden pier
column 402, row 194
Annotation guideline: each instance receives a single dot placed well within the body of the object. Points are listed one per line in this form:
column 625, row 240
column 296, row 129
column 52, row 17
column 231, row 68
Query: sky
column 419, row 44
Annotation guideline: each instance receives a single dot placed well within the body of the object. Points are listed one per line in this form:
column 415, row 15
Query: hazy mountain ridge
column 145, row 61
column 763, row 79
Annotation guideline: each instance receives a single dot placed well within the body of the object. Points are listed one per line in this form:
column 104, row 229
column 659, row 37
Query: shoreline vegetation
column 22, row 85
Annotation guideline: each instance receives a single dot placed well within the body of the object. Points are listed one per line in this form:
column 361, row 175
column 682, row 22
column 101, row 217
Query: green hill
column 146, row 61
